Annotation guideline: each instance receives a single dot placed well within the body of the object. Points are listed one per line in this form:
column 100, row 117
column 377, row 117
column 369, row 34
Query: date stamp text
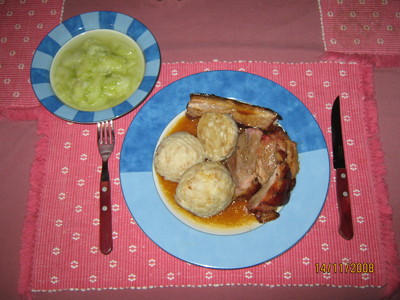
column 344, row 268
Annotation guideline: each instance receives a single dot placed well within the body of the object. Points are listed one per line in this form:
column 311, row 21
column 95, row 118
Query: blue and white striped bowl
column 49, row 46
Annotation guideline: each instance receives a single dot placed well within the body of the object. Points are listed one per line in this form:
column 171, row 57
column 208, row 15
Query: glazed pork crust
column 245, row 114
column 274, row 193
column 264, row 169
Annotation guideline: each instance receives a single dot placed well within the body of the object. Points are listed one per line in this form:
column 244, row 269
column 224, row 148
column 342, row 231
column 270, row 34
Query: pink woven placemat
column 366, row 29
column 23, row 25
column 60, row 247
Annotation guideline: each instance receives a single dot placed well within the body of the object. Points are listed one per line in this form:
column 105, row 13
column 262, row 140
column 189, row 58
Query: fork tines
column 105, row 132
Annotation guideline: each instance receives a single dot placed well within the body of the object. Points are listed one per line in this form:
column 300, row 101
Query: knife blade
column 342, row 184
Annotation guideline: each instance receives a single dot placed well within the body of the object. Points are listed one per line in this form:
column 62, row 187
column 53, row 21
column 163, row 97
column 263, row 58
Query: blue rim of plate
column 56, row 38
column 224, row 251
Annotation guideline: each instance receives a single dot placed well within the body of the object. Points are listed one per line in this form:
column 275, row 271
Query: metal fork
column 105, row 142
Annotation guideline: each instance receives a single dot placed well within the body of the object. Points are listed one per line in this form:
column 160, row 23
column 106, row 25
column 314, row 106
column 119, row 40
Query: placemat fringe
column 379, row 60
column 20, row 114
column 37, row 176
column 392, row 260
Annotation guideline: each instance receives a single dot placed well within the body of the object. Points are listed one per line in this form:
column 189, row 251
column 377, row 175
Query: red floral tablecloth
column 361, row 29
column 23, row 25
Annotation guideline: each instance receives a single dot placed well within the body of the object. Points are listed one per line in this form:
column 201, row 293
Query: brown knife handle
column 344, row 205
column 106, row 242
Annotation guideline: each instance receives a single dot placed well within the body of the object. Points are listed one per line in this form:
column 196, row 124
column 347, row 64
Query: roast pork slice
column 275, row 148
column 274, row 193
column 243, row 113
column 242, row 164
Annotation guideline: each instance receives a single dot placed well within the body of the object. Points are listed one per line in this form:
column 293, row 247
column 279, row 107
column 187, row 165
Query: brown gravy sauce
column 234, row 216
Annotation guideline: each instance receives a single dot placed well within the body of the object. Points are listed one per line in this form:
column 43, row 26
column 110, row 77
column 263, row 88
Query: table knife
column 342, row 185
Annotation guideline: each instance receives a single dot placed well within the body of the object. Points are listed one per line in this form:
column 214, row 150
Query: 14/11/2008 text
column 344, row 268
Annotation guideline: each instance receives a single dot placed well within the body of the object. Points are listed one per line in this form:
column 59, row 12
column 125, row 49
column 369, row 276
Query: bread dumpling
column 176, row 153
column 218, row 133
column 205, row 189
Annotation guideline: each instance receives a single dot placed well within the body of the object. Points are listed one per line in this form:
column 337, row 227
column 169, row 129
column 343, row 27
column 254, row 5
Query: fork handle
column 106, row 242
